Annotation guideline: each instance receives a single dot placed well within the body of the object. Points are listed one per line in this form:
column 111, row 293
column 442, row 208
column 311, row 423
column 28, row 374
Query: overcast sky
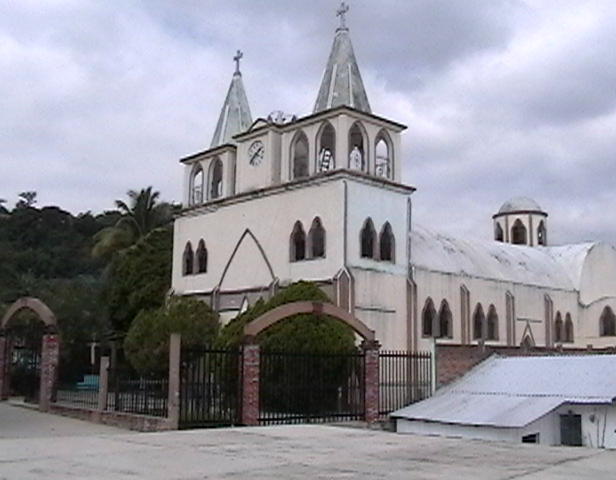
column 502, row 97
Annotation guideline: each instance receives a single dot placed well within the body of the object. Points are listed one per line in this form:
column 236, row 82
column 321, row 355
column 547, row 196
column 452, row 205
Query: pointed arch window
column 492, row 324
column 357, row 150
column 499, row 235
column 479, row 320
column 387, row 244
column 201, row 257
column 299, row 156
column 428, row 318
column 368, row 240
column 298, row 243
column 541, row 234
column 216, row 179
column 558, row 328
column 316, row 239
column 326, row 156
column 445, row 321
column 383, row 156
column 518, row 233
column 607, row 323
column 196, row 186
column 188, row 260
column 568, row 329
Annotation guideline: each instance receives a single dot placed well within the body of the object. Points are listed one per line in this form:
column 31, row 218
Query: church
column 320, row 198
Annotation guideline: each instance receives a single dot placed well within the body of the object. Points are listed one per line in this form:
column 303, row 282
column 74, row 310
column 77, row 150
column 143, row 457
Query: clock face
column 255, row 153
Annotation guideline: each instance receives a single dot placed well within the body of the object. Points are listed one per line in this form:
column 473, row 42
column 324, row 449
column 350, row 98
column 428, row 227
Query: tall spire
column 342, row 83
column 235, row 114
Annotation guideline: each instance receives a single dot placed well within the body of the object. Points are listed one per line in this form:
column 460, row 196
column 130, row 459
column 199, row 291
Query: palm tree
column 142, row 214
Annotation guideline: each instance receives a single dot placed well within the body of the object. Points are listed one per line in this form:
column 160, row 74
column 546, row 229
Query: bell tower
column 521, row 221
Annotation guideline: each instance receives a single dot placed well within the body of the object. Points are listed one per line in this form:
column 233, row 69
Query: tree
column 138, row 218
column 147, row 343
column 26, row 199
column 138, row 278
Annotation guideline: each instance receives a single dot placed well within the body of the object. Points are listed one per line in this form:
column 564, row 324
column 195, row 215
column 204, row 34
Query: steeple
column 235, row 114
column 342, row 83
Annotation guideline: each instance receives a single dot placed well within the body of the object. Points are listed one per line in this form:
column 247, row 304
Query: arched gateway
column 49, row 349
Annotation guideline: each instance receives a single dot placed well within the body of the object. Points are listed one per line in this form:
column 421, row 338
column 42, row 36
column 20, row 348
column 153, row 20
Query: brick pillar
column 173, row 402
column 4, row 366
column 103, row 383
column 251, row 360
column 371, row 380
column 50, row 357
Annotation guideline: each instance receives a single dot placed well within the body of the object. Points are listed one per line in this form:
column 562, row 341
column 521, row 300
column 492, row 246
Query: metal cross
column 341, row 12
column 236, row 59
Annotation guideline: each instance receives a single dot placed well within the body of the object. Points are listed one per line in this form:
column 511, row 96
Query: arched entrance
column 290, row 387
column 29, row 352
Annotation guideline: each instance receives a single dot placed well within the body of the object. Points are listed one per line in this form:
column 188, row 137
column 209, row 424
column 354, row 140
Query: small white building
column 555, row 400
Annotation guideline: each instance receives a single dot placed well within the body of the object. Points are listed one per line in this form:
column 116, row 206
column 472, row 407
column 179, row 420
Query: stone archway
column 265, row 321
column 251, row 357
column 50, row 353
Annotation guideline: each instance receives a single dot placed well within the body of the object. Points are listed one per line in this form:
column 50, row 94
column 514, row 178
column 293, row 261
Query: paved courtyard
column 64, row 449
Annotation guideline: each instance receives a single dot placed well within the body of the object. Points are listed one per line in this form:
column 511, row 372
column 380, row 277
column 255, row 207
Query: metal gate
column 310, row 388
column 405, row 378
column 210, row 387
column 24, row 350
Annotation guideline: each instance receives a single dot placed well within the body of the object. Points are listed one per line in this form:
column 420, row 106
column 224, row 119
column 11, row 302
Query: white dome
column 520, row 204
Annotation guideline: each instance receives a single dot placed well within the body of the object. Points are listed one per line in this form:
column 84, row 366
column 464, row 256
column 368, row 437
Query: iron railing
column 310, row 388
column 139, row 394
column 405, row 378
column 210, row 387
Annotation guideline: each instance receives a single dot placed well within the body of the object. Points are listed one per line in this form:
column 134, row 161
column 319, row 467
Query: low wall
column 140, row 423
column 453, row 361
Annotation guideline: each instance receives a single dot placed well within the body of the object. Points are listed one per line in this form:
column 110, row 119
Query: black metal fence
column 130, row 392
column 210, row 387
column 310, row 388
column 78, row 377
column 405, row 378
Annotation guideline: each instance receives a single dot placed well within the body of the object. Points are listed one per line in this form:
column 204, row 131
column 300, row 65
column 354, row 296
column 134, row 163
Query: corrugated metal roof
column 512, row 392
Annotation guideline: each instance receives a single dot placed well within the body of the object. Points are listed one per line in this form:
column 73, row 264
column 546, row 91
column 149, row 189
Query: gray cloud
column 502, row 97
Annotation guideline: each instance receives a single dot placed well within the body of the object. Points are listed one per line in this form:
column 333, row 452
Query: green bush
column 147, row 343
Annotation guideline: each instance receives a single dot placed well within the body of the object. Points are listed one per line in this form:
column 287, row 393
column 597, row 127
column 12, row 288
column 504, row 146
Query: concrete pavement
column 289, row 452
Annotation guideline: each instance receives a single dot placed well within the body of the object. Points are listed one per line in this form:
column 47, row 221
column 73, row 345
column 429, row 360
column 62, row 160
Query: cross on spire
column 341, row 12
column 236, row 59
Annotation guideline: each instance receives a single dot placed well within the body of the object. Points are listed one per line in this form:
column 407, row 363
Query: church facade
column 320, row 198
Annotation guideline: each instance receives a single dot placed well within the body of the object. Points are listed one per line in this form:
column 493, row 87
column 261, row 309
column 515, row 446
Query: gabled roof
column 235, row 114
column 342, row 83
column 512, row 392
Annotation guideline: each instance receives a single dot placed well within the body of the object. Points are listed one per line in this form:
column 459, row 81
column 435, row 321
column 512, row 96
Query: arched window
column 383, row 156
column 196, row 186
column 387, row 244
column 479, row 319
column 499, row 236
column 316, row 239
column 188, row 260
column 541, row 234
column 326, row 152
column 357, row 150
column 445, row 321
column 298, row 243
column 558, row 328
column 568, row 329
column 201, row 257
column 607, row 323
column 492, row 324
column 216, row 179
column 428, row 318
column 518, row 233
column 368, row 239
column 299, row 156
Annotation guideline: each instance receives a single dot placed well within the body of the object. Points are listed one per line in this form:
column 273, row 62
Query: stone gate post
column 371, row 380
column 50, row 357
column 4, row 366
column 251, row 360
column 173, row 401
